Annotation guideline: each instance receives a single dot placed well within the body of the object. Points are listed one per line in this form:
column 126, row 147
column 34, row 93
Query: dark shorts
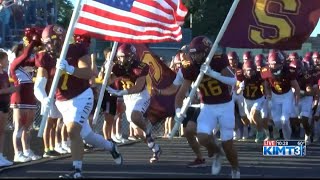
column 192, row 115
column 109, row 104
column 4, row 107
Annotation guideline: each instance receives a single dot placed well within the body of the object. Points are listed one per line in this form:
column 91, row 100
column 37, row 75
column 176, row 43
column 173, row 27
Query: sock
column 58, row 145
column 98, row 141
column 77, row 165
column 64, row 143
column 27, row 151
column 46, row 149
column 19, row 153
column 155, row 148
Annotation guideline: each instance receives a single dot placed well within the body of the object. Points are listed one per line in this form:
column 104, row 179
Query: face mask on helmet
column 276, row 69
column 197, row 57
column 247, row 56
column 249, row 69
column 53, row 46
column 125, row 55
column 249, row 73
column 52, row 38
column 199, row 49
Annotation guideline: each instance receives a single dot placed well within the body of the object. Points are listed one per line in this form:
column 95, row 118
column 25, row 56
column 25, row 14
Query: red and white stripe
column 149, row 21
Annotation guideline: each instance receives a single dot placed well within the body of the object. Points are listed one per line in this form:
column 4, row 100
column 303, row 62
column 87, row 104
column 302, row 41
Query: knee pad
column 226, row 134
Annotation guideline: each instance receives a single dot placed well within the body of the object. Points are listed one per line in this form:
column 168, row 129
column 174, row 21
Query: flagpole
column 188, row 100
column 104, row 83
column 57, row 75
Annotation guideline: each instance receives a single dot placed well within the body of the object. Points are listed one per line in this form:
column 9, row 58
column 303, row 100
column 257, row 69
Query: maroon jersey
column 212, row 91
column 239, row 72
column 305, row 80
column 127, row 77
column 253, row 87
column 45, row 61
column 279, row 84
column 4, row 84
column 316, row 75
column 69, row 86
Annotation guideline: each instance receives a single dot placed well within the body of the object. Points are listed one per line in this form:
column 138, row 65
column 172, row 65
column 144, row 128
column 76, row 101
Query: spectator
column 5, row 90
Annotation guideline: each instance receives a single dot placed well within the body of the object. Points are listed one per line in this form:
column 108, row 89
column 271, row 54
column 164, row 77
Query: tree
column 65, row 9
column 207, row 16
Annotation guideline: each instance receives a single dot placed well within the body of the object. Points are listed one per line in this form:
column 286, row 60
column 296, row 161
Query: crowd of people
column 267, row 97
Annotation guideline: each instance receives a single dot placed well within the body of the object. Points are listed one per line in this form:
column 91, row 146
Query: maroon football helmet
column 52, row 38
column 247, row 56
column 199, row 49
column 275, row 61
column 297, row 66
column 249, row 69
column 233, row 59
column 293, row 55
column 316, row 58
column 308, row 62
column 308, row 54
column 82, row 39
column 126, row 53
column 259, row 61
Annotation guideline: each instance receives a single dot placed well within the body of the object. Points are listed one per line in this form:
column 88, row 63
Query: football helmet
column 316, row 58
column 199, row 49
column 297, row 66
column 126, row 53
column 308, row 63
column 82, row 39
column 233, row 59
column 249, row 69
column 259, row 61
column 53, row 38
column 247, row 56
column 293, row 56
column 308, row 54
column 275, row 61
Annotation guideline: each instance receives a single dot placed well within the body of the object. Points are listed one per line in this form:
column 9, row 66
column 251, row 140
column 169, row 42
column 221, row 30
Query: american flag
column 132, row 21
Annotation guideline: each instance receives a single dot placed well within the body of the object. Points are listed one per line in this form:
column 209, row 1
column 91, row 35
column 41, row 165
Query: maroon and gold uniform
column 212, row 91
column 239, row 72
column 305, row 80
column 253, row 88
column 130, row 75
column 279, row 84
column 68, row 86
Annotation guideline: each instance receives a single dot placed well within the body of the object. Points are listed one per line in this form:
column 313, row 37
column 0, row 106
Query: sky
column 314, row 33
column 316, row 30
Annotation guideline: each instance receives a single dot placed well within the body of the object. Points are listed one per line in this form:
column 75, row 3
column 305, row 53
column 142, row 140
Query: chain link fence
column 157, row 129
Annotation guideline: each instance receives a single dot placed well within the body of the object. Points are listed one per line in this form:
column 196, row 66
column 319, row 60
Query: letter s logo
column 278, row 24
